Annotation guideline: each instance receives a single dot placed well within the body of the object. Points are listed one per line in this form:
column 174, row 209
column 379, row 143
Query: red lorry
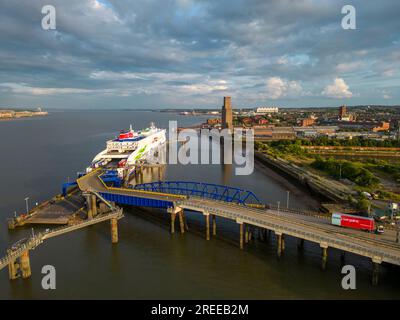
column 355, row 222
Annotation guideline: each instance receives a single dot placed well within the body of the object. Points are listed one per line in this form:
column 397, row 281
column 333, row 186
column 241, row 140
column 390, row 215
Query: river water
column 39, row 154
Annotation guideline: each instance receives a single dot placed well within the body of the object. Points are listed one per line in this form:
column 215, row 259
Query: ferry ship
column 125, row 151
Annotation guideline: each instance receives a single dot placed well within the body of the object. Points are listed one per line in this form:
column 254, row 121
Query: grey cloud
column 184, row 52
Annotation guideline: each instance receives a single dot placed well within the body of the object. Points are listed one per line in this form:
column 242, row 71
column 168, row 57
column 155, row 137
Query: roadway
column 378, row 248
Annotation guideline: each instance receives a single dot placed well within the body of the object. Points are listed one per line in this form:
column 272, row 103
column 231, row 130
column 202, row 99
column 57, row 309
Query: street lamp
column 27, row 205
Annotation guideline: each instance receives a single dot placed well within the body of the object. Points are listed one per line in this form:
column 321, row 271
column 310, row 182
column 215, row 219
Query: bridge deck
column 33, row 242
column 316, row 230
column 304, row 227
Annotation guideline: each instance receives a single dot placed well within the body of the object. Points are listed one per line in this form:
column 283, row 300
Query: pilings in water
column 25, row 265
column 181, row 221
column 13, row 270
column 173, row 216
column 114, row 230
column 324, row 261
column 241, row 235
column 207, row 218
column 89, row 206
column 375, row 270
column 280, row 243
column 94, row 205
column 214, row 225
column 20, row 266
column 300, row 244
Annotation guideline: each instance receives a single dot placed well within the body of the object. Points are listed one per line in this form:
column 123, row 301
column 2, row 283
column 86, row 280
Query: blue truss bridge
column 202, row 190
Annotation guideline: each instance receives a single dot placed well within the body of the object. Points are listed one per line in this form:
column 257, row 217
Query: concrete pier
column 13, row 268
column 173, row 216
column 246, row 233
column 25, row 265
column 114, row 230
column 279, row 244
column 207, row 217
column 324, row 261
column 241, row 235
column 94, row 205
column 375, row 271
column 300, row 244
column 214, row 225
column 89, row 206
column 181, row 222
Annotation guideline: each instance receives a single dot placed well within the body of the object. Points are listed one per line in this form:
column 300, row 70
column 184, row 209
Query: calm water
column 37, row 155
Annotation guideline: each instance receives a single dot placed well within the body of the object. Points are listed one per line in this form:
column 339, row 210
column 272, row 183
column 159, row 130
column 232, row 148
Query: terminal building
column 265, row 110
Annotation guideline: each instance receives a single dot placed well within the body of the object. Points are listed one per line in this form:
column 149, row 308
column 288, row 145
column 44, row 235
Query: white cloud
column 39, row 91
column 339, row 89
column 278, row 88
column 350, row 66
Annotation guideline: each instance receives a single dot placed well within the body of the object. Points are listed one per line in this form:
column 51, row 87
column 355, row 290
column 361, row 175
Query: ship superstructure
column 130, row 147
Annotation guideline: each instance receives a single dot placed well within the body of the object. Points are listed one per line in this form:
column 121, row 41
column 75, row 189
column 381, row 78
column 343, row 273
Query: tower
column 227, row 119
column 342, row 112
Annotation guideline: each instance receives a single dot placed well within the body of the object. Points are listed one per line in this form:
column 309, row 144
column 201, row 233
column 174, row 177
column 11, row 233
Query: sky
column 192, row 53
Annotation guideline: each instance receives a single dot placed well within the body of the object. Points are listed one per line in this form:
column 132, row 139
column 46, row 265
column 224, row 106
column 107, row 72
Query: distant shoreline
column 9, row 115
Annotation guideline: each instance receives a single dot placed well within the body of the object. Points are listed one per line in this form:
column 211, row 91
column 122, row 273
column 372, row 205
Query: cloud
column 179, row 52
column 279, row 88
column 39, row 91
column 350, row 66
column 339, row 89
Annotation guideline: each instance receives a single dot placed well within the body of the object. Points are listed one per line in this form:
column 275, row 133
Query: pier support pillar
column 94, row 205
column 207, row 216
column 283, row 243
column 343, row 257
column 114, row 230
column 246, row 234
column 13, row 268
column 181, row 222
column 279, row 244
column 300, row 244
column 25, row 265
column 241, row 235
column 260, row 234
column 89, row 207
column 214, row 225
column 324, row 247
column 173, row 216
column 185, row 221
column 375, row 271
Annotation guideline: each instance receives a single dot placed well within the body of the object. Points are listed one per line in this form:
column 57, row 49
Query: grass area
column 378, row 177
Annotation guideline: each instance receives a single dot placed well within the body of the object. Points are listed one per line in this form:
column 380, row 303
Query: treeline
column 342, row 169
column 325, row 141
column 354, row 142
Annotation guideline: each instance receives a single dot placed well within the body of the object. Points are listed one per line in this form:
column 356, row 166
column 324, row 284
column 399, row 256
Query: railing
column 332, row 241
column 202, row 190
